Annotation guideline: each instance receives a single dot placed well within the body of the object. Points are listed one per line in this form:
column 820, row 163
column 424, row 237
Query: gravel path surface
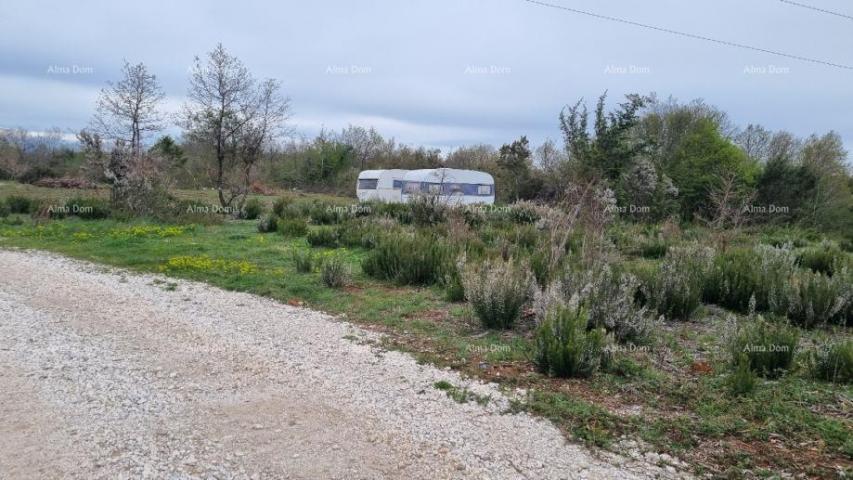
column 107, row 374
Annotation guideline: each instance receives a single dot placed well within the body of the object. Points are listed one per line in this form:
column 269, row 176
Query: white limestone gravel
column 107, row 374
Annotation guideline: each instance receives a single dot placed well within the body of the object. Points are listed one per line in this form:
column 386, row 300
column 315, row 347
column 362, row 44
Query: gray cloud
column 436, row 73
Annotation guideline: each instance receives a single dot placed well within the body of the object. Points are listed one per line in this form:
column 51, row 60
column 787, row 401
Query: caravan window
column 484, row 190
column 411, row 187
column 453, row 188
column 398, row 184
column 368, row 183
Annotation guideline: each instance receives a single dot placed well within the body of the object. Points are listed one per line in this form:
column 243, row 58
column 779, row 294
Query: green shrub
column 280, row 205
column 88, row 208
column 525, row 236
column 36, row 173
column 653, row 247
column 742, row 380
column 268, row 224
column 833, row 361
column 676, row 290
column 4, row 209
column 566, row 347
column 489, row 235
column 610, row 297
column 400, row 212
column 811, row 298
column 252, row 209
column 741, row 274
column 304, row 261
column 327, row 214
column 822, row 258
column 523, row 212
column 427, row 210
column 844, row 278
column 323, row 237
column 292, row 227
column 779, row 239
column 540, row 266
column 767, row 347
column 410, row 260
column 454, row 290
column 473, row 216
column 358, row 234
column 334, row 272
column 284, row 207
column 639, row 240
column 496, row 292
column 21, row 204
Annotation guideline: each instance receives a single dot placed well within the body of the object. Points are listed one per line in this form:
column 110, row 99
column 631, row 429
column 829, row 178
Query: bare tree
column 234, row 117
column 366, row 143
column 129, row 110
column 729, row 207
column 263, row 125
column 754, row 140
column 92, row 148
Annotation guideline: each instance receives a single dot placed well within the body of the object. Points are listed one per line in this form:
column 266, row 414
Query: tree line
column 656, row 158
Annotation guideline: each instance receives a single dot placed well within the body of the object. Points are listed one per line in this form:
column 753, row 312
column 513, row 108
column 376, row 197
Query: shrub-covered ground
column 728, row 349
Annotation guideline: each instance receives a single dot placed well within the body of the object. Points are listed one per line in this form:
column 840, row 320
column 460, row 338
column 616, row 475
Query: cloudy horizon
column 440, row 74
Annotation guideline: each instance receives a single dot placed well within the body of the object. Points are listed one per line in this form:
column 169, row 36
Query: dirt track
column 106, row 374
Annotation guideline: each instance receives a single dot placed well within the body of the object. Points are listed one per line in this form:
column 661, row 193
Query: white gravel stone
column 104, row 374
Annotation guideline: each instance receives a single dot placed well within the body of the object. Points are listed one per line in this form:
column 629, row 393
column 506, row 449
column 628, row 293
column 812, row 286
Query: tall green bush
column 497, row 291
column 292, row 227
column 410, row 259
column 252, row 209
column 741, row 274
column 676, row 289
column 610, row 297
column 768, row 347
column 824, row 258
column 566, row 347
column 323, row 237
column 812, row 298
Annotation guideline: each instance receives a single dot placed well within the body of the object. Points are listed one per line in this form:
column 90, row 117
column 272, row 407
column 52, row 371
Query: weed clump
column 742, row 380
column 335, row 272
column 833, row 361
column 304, row 261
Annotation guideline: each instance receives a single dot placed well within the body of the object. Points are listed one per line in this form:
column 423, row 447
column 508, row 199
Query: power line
column 817, row 9
column 690, row 35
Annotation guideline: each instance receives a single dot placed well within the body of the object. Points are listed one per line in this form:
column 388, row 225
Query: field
column 672, row 391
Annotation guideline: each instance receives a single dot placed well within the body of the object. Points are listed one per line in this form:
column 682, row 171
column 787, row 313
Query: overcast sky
column 439, row 73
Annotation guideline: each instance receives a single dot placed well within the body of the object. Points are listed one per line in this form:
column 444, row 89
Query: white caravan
column 455, row 187
column 381, row 185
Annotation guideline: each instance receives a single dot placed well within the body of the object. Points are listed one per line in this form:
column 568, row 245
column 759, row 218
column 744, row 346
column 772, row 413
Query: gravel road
column 111, row 374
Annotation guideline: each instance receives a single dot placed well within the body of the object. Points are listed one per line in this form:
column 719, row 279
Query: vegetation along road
column 107, row 373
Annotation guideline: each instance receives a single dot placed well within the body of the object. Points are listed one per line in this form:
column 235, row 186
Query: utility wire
column 690, row 35
column 816, row 9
